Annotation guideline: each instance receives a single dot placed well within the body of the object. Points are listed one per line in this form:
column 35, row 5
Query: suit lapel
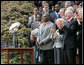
column 55, row 15
column 42, row 30
column 72, row 20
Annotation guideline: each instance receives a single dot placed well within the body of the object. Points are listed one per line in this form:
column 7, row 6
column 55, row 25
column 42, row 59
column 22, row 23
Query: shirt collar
column 78, row 22
column 70, row 19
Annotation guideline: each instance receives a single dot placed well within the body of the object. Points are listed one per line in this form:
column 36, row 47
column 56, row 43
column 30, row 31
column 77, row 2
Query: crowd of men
column 56, row 32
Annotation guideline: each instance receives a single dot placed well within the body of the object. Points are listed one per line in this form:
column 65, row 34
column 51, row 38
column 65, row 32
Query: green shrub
column 13, row 11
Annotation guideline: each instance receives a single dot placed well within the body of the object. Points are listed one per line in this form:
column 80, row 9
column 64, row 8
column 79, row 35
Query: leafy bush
column 13, row 11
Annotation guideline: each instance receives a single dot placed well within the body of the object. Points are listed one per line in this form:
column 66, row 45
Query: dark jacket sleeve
column 71, row 29
column 61, row 31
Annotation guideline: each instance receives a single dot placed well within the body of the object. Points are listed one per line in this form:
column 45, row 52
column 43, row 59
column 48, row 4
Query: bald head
column 57, row 7
column 39, row 17
column 46, row 17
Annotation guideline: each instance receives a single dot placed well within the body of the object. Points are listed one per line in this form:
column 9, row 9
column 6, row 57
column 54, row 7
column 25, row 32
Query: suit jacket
column 33, row 25
column 69, row 34
column 44, row 36
column 30, row 21
column 79, row 37
column 54, row 16
column 57, row 38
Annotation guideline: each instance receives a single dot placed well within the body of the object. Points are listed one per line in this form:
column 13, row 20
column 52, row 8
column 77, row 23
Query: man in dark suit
column 79, row 16
column 69, row 38
column 54, row 15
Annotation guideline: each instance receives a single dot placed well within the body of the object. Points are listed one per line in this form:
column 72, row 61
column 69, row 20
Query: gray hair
column 70, row 8
column 69, row 2
column 69, row 11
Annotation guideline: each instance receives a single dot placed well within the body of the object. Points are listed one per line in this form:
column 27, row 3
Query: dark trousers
column 47, row 57
column 70, row 55
column 80, row 55
column 58, row 56
column 80, row 47
column 34, row 54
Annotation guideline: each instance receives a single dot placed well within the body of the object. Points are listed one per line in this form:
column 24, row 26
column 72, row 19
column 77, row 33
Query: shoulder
column 74, row 21
column 41, row 25
column 51, row 23
column 31, row 17
column 52, row 13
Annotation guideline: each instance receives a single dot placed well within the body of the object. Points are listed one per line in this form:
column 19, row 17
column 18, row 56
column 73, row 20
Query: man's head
column 71, row 8
column 46, row 6
column 62, row 11
column 38, row 24
column 79, row 14
column 60, row 23
column 46, row 17
column 57, row 7
column 43, row 2
column 69, row 14
column 67, row 4
column 35, row 10
column 53, row 7
column 38, row 17
column 77, row 2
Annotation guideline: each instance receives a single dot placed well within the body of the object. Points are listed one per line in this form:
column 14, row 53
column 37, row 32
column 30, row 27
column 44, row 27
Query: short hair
column 48, row 14
column 70, row 8
column 69, row 11
column 80, row 11
column 60, row 19
column 69, row 2
column 63, row 9
column 46, row 4
column 36, row 8
column 57, row 5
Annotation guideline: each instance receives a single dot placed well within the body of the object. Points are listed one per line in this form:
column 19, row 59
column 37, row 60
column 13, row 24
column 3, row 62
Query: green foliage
column 11, row 12
column 15, row 60
column 3, row 61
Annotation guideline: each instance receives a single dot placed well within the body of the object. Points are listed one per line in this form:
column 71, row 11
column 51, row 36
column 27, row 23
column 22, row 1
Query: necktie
column 67, row 22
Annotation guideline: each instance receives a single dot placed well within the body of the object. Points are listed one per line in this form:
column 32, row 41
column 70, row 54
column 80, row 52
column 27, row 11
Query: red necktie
column 67, row 22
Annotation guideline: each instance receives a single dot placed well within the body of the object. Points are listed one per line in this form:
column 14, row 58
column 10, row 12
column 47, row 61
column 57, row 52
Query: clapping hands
column 52, row 30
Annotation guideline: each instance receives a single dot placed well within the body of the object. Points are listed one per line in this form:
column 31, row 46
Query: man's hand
column 33, row 37
column 52, row 30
